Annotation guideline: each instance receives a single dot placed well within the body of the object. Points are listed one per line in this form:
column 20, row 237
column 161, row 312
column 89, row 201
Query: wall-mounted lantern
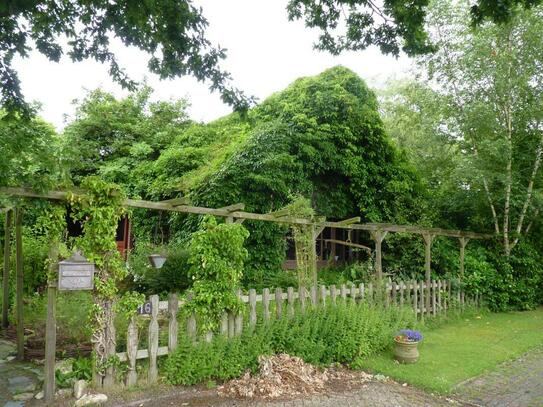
column 75, row 273
column 157, row 260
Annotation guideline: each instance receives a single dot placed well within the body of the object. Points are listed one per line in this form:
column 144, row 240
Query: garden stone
column 10, row 358
column 80, row 387
column 91, row 399
column 23, row 396
column 14, row 404
column 20, row 384
column 7, row 348
column 39, row 396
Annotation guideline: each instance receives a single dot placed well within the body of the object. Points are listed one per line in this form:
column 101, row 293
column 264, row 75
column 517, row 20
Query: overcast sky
column 266, row 52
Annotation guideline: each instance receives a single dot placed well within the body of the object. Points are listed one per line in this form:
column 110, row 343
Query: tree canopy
column 172, row 32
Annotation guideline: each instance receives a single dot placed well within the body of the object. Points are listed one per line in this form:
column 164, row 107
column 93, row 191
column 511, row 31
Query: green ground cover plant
column 465, row 348
column 321, row 336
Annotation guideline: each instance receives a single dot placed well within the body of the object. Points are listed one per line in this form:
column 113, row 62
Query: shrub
column 320, row 336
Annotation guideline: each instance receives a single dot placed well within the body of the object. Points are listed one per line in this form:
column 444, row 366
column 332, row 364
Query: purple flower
column 410, row 335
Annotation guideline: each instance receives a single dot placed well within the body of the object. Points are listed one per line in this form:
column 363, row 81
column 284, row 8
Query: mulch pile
column 283, row 375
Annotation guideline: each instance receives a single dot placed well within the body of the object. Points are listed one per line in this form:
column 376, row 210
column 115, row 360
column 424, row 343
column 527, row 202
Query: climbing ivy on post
column 216, row 258
column 99, row 211
column 304, row 241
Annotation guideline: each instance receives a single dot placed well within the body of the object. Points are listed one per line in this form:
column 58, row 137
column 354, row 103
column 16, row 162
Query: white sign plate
column 76, row 277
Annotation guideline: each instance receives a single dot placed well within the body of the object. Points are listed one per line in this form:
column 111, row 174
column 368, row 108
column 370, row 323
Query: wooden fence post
column 362, row 294
column 266, row 303
column 173, row 326
column 153, row 340
column 252, row 307
column 5, row 274
column 343, row 293
column 132, row 351
column 314, row 296
column 278, row 302
column 324, row 292
column 191, row 321
column 333, row 294
column 239, row 318
column 224, row 324
column 19, row 291
column 302, row 295
column 290, row 301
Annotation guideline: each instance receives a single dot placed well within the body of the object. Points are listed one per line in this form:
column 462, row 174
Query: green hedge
column 320, row 336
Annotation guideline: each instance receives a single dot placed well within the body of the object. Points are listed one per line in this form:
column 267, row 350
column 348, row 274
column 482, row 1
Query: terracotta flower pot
column 406, row 352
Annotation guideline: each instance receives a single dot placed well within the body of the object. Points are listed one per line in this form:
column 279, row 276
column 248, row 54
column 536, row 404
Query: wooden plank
column 314, row 300
column 343, row 291
column 266, row 303
column 349, row 221
column 231, row 325
column 353, row 293
column 362, row 292
column 394, row 294
column 278, row 302
column 51, row 325
column 239, row 319
column 303, row 296
column 434, row 298
column 143, row 354
column 234, row 207
column 439, row 287
column 252, row 307
column 323, row 293
column 333, row 294
column 370, row 292
column 402, row 287
column 208, row 336
column 132, row 352
column 5, row 275
column 290, row 301
column 177, row 201
column 19, row 280
column 153, row 340
column 422, row 300
column 173, row 325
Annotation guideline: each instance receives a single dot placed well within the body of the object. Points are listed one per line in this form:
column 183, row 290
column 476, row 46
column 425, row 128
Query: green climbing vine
column 304, row 242
column 99, row 211
column 216, row 258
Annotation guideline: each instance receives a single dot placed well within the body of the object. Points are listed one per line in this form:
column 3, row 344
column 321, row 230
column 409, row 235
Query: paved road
column 514, row 384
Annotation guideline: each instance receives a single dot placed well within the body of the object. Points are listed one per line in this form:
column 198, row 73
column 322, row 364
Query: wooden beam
column 183, row 200
column 349, row 221
column 428, row 239
column 51, row 324
column 280, row 216
column 378, row 236
column 234, row 207
column 5, row 275
column 19, row 281
column 463, row 242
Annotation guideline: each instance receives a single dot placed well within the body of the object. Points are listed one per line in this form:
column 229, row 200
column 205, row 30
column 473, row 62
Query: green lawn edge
column 464, row 348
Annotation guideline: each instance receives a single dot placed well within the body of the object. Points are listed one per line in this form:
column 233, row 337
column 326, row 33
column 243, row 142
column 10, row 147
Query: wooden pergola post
column 5, row 274
column 19, row 273
column 51, row 325
column 428, row 239
column 314, row 235
column 463, row 242
column 378, row 236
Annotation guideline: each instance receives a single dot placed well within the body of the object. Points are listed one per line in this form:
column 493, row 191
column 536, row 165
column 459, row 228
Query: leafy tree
column 29, row 151
column 172, row 32
column 392, row 25
column 493, row 79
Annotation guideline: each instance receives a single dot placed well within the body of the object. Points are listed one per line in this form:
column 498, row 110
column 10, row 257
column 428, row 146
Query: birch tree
column 493, row 78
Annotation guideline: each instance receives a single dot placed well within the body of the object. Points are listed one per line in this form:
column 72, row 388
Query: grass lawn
column 465, row 348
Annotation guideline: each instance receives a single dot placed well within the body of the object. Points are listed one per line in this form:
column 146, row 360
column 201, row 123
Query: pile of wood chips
column 280, row 375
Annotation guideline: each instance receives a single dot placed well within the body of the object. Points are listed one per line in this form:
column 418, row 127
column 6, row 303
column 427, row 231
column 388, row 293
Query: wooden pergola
column 232, row 213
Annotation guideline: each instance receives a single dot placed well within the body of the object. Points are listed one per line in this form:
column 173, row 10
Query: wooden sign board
column 75, row 273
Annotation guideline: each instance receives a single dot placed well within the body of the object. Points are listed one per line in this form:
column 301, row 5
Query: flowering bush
column 408, row 335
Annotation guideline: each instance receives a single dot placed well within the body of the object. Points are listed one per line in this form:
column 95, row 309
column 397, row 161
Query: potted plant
column 405, row 346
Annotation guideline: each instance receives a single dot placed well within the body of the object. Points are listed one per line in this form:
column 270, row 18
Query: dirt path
column 375, row 394
column 518, row 383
